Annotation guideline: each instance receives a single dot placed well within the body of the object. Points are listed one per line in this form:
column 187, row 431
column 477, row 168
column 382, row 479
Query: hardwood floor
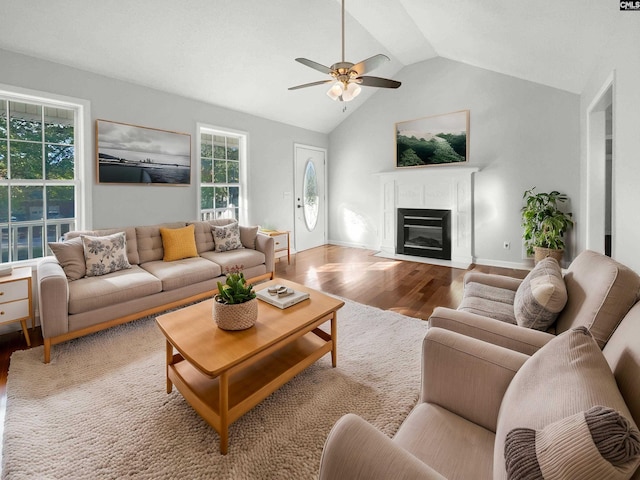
column 410, row 288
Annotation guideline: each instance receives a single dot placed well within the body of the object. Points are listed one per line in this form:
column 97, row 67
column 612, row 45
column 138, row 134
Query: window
column 221, row 167
column 39, row 183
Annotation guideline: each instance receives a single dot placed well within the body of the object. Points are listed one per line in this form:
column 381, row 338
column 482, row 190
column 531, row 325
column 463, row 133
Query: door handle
column 299, row 206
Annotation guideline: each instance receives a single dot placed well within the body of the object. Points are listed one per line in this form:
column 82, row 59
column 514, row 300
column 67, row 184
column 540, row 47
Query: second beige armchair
column 600, row 292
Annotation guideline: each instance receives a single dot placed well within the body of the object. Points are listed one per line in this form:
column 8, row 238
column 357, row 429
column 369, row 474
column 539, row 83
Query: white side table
column 281, row 245
column 16, row 304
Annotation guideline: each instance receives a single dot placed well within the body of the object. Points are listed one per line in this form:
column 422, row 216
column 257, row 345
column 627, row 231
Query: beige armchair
column 482, row 408
column 600, row 292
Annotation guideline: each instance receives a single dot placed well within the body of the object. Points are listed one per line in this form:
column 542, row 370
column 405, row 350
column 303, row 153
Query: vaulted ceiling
column 240, row 54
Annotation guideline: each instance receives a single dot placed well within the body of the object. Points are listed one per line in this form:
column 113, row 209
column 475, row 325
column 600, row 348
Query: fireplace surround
column 434, row 188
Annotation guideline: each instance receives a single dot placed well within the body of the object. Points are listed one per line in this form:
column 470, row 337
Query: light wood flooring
column 410, row 288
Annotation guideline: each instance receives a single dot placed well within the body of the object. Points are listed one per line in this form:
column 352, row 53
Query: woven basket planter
column 238, row 316
column 541, row 253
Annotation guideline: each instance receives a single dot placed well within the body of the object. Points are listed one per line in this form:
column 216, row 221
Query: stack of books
column 281, row 296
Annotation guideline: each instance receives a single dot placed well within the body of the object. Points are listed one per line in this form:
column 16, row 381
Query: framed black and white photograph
column 435, row 140
column 132, row 154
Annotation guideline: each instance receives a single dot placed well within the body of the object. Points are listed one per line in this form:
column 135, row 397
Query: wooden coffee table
column 224, row 374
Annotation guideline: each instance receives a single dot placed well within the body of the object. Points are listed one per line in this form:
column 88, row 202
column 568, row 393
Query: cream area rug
column 100, row 409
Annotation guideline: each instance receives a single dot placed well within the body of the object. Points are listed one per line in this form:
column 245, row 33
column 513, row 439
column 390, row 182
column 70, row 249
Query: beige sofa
column 70, row 309
column 486, row 411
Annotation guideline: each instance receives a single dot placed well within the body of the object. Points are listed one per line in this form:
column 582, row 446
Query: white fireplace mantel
column 438, row 187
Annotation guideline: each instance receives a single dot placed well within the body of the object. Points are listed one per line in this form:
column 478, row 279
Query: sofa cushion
column 70, row 256
column 203, row 236
column 178, row 243
column 118, row 287
column 248, row 236
column 150, row 241
column 235, row 260
column 600, row 292
column 541, row 296
column 488, row 301
column 226, row 237
column 558, row 451
column 567, row 376
column 106, row 254
column 183, row 272
column 448, row 443
column 130, row 232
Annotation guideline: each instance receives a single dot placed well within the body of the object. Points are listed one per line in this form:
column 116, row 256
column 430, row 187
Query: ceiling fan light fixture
column 351, row 92
column 335, row 91
column 354, row 89
column 347, row 77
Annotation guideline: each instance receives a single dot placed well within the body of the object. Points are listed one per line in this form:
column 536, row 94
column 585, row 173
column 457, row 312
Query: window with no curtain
column 222, row 156
column 39, row 181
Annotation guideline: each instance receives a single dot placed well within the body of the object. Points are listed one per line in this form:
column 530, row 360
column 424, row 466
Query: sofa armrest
column 264, row 244
column 467, row 376
column 355, row 450
column 53, row 298
column 499, row 281
column 513, row 337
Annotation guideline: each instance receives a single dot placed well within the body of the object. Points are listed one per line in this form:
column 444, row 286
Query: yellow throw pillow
column 178, row 243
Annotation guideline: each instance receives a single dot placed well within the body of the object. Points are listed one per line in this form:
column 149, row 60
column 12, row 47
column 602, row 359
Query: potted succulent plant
column 235, row 306
column 544, row 224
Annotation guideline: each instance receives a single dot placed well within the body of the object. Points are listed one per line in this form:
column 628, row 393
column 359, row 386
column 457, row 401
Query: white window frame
column 82, row 150
column 243, row 140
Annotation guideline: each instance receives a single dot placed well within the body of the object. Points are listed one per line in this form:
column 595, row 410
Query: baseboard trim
column 524, row 265
column 458, row 263
column 431, row 261
column 340, row 243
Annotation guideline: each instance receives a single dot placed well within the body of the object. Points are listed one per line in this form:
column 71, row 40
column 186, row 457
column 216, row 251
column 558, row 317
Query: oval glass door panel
column 310, row 196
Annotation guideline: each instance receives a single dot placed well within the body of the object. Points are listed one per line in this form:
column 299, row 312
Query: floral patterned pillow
column 105, row 254
column 226, row 237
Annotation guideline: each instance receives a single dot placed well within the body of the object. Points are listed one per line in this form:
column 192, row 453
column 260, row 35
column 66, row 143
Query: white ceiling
column 240, row 54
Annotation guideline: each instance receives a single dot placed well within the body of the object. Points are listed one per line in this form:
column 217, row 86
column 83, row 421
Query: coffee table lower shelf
column 223, row 399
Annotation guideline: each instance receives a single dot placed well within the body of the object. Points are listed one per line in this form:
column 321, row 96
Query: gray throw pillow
column 248, row 236
column 70, row 256
column 104, row 255
column 590, row 445
column 567, row 376
column 226, row 237
column 541, row 296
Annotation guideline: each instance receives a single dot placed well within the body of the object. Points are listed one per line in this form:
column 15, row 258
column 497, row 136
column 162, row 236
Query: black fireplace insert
column 424, row 232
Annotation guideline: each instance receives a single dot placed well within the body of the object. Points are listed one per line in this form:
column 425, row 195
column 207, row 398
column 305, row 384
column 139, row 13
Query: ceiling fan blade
column 378, row 82
column 370, row 64
column 312, row 84
column 314, row 65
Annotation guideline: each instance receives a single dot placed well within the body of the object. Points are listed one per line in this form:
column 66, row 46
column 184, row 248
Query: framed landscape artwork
column 131, row 154
column 435, row 140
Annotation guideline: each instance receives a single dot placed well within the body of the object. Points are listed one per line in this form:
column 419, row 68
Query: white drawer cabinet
column 281, row 244
column 16, row 304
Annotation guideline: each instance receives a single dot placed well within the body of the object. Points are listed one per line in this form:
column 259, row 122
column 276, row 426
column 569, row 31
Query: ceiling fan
column 348, row 77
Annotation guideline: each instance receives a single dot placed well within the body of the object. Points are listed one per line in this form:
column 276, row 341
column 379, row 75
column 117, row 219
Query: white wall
column 270, row 153
column 522, row 134
column 624, row 64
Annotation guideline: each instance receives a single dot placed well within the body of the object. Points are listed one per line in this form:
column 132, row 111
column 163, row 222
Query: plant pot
column 238, row 316
column 541, row 253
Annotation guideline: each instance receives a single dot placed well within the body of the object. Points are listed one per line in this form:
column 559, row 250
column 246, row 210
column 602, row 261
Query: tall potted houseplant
column 235, row 307
column 545, row 224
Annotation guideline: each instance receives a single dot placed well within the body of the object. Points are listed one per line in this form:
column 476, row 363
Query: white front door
column 310, row 197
